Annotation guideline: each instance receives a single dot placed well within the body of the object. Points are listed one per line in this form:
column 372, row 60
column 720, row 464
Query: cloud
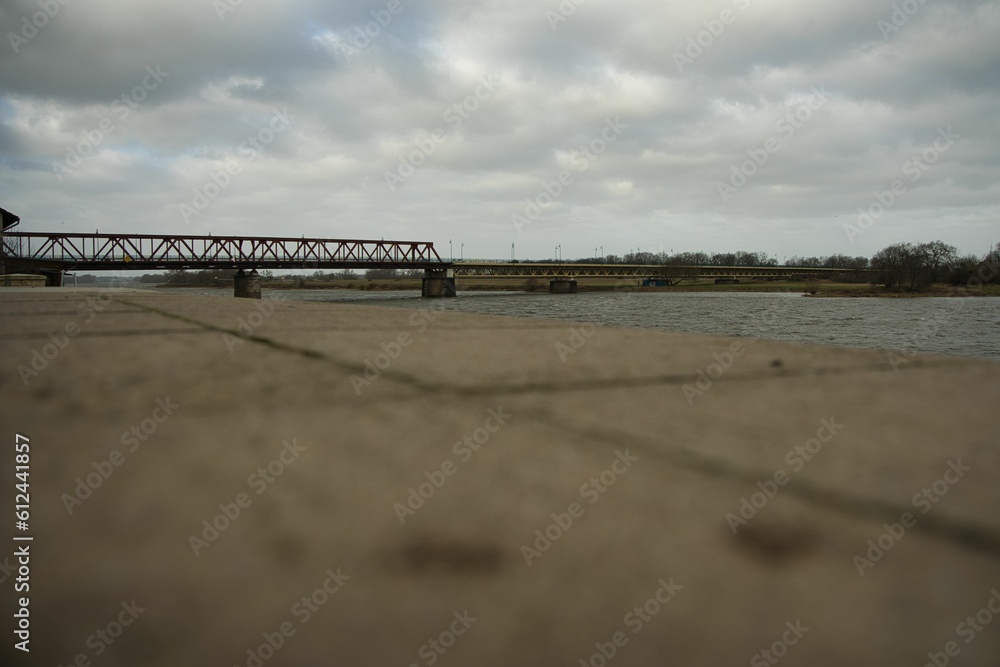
column 368, row 83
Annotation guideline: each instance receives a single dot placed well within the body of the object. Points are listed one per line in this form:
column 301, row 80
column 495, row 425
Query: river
column 953, row 326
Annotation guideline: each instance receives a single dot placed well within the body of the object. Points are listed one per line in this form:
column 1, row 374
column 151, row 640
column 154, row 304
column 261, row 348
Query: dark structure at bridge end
column 438, row 283
column 562, row 286
column 246, row 285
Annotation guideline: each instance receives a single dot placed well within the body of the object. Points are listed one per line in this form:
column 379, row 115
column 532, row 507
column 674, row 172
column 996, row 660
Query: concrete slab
column 632, row 482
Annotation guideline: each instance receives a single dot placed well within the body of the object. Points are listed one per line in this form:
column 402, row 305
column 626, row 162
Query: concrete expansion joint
column 345, row 366
column 590, row 384
column 545, row 387
column 965, row 534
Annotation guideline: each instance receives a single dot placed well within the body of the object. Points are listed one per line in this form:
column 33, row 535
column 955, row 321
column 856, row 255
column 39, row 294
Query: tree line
column 900, row 266
column 916, row 266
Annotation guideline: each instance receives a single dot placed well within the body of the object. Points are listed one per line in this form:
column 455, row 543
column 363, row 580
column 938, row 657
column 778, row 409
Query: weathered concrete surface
column 572, row 404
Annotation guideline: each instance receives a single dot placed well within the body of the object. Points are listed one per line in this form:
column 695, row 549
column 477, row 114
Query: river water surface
column 956, row 326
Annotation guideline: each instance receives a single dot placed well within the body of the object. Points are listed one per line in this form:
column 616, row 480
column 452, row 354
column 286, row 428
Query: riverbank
column 347, row 484
column 879, row 291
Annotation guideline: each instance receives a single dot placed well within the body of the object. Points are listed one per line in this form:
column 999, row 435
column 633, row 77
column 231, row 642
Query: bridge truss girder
column 148, row 251
column 533, row 270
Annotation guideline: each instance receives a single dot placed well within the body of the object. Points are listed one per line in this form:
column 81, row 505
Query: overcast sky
column 761, row 125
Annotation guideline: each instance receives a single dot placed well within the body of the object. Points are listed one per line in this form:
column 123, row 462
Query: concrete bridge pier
column 562, row 286
column 438, row 283
column 53, row 278
column 246, row 285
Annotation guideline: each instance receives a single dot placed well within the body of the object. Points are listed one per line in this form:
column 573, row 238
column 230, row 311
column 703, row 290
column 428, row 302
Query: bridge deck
column 572, row 270
column 123, row 252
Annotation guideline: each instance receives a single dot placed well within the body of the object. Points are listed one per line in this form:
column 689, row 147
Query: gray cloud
column 366, row 88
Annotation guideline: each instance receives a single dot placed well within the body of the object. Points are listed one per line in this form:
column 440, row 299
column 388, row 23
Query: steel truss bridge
column 98, row 252
column 61, row 252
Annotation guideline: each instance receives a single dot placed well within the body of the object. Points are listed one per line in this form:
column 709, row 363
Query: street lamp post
column 451, row 252
column 463, row 252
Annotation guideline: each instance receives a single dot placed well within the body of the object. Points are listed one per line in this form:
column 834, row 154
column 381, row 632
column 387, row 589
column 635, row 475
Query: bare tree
column 939, row 258
column 903, row 265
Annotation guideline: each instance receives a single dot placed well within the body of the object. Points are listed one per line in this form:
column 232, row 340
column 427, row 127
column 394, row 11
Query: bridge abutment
column 438, row 283
column 246, row 285
column 562, row 286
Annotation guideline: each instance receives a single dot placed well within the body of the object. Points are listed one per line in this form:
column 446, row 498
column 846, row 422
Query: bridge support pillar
column 438, row 283
column 246, row 285
column 53, row 278
column 562, row 286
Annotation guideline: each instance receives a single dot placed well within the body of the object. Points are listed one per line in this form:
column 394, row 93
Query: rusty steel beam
column 152, row 251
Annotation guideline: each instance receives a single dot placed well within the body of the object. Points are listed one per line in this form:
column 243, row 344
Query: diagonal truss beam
column 149, row 251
